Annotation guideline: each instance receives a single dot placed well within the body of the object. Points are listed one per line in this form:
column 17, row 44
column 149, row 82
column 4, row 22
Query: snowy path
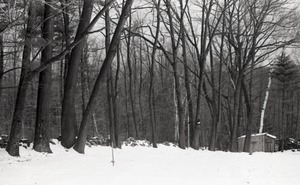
column 148, row 166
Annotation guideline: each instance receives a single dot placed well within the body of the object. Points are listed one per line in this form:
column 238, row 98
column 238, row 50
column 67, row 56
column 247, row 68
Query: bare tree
column 18, row 117
column 68, row 120
column 130, row 74
column 66, row 36
column 41, row 139
column 151, row 100
column 109, row 87
column 208, row 32
column 177, row 87
column 80, row 143
column 1, row 72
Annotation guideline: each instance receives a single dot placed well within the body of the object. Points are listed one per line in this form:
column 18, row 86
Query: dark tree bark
column 297, row 119
column 82, row 79
column 80, row 143
column 151, row 72
column 115, row 98
column 143, row 125
column 237, row 97
column 237, row 76
column 177, row 86
column 201, row 54
column 249, row 108
column 283, row 120
column 66, row 34
column 1, row 73
column 109, row 86
column 18, row 115
column 41, row 138
column 220, row 69
column 65, row 43
column 128, row 132
column 249, row 103
column 187, row 75
column 68, row 122
column 217, row 92
column 213, row 103
column 111, row 112
column 15, row 58
column 130, row 73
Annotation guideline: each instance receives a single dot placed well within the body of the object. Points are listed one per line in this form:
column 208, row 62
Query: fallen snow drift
column 166, row 165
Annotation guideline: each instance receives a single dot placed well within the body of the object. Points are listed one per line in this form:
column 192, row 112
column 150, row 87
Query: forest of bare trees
column 199, row 73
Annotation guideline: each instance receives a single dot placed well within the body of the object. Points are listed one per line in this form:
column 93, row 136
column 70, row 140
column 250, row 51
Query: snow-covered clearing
column 166, row 165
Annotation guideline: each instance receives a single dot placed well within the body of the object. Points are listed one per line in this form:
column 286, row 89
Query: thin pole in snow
column 112, row 154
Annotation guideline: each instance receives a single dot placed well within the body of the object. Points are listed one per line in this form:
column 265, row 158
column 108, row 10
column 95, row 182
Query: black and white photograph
column 149, row 92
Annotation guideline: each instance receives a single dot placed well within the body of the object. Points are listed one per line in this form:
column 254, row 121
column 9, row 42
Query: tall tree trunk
column 109, row 85
column 186, row 75
column 151, row 72
column 236, row 56
column 282, row 124
column 263, row 109
column 15, row 58
column 176, row 125
column 83, row 78
column 182, row 142
column 18, row 116
column 236, row 114
column 249, row 107
column 110, row 95
column 131, row 90
column 69, row 124
column 65, row 43
column 128, row 133
column 177, row 86
column 116, row 97
column 297, row 120
column 151, row 103
column 66, row 33
column 219, row 119
column 80, row 143
column 141, row 87
column 41, row 139
column 214, row 110
column 82, row 83
column 201, row 57
column 291, row 117
column 237, row 77
column 250, row 104
column 1, row 74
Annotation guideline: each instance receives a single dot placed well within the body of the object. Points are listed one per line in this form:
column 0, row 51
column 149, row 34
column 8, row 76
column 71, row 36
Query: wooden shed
column 263, row 142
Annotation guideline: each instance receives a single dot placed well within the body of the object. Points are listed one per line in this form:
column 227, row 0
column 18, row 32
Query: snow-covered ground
column 166, row 165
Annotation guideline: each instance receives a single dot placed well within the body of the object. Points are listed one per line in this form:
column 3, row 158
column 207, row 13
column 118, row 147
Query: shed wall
column 257, row 144
column 261, row 143
column 269, row 144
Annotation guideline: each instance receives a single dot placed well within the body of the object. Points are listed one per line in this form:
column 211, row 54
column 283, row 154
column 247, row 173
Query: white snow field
column 166, row 165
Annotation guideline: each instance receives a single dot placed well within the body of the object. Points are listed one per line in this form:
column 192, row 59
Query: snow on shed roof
column 260, row 134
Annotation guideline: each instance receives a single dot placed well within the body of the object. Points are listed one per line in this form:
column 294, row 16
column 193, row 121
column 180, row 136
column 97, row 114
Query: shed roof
column 259, row 134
